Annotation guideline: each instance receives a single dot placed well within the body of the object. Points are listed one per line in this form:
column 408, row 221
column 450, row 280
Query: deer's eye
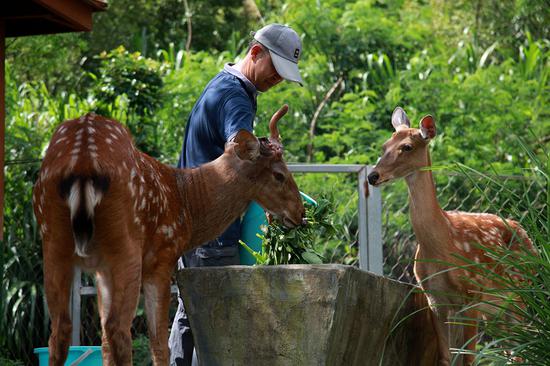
column 406, row 147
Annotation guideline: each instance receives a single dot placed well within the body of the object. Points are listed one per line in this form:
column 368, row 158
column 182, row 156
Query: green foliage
column 129, row 74
column 281, row 245
column 135, row 82
column 141, row 353
column 481, row 68
column 146, row 26
column 54, row 59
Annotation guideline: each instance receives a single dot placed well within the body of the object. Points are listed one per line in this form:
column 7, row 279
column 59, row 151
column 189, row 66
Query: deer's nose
column 373, row 178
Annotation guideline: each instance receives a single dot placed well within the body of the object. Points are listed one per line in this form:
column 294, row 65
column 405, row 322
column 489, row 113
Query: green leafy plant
column 295, row 246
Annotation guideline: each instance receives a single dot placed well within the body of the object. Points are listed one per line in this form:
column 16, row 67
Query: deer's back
column 134, row 200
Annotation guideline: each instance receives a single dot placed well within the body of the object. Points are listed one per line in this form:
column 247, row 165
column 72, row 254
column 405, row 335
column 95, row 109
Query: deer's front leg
column 156, row 290
column 441, row 327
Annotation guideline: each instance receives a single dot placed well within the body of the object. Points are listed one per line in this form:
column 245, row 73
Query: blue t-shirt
column 227, row 105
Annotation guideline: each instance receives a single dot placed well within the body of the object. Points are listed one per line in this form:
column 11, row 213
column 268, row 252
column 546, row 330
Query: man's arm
column 237, row 113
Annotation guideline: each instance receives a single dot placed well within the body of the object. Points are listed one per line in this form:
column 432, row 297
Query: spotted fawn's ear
column 427, row 127
column 248, row 146
column 399, row 119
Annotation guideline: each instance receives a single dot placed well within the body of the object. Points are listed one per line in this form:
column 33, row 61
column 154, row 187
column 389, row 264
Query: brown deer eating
column 114, row 211
column 444, row 237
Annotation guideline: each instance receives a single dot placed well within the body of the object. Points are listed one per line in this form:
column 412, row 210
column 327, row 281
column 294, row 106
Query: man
column 227, row 105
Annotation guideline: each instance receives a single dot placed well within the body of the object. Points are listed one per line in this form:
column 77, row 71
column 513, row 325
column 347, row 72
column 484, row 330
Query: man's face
column 265, row 74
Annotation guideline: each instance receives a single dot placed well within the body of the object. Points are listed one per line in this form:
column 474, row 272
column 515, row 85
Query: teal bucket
column 78, row 355
column 253, row 218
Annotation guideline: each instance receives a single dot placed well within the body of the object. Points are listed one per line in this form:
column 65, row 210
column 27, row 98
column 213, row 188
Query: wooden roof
column 32, row 17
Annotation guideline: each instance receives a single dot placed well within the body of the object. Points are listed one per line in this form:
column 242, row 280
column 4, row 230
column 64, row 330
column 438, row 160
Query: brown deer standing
column 112, row 210
column 443, row 236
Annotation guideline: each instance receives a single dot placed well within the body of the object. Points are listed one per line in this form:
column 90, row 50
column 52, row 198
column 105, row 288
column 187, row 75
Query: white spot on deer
column 137, row 221
column 151, row 302
column 108, row 141
column 93, row 147
column 91, row 140
column 75, row 151
column 59, row 140
column 81, row 119
column 94, row 155
column 62, row 130
column 466, row 246
column 142, row 206
column 91, row 130
column 167, row 230
column 72, row 163
column 131, row 188
column 45, row 173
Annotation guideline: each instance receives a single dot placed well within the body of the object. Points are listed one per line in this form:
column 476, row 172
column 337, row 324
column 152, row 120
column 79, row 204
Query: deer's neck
column 429, row 221
column 213, row 196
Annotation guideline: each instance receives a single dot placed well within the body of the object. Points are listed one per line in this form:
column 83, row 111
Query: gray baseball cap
column 285, row 48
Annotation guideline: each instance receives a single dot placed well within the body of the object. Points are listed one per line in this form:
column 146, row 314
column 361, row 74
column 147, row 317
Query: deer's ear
column 399, row 119
column 427, row 127
column 248, row 146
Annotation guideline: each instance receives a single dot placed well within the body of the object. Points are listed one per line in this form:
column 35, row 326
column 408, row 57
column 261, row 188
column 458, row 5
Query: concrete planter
column 304, row 315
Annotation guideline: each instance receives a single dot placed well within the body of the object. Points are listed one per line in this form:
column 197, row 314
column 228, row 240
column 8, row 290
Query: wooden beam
column 77, row 13
column 2, row 121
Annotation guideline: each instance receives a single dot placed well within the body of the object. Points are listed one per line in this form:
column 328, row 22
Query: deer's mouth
column 284, row 219
column 380, row 182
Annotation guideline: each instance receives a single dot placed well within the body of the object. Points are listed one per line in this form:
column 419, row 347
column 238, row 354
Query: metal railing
column 369, row 233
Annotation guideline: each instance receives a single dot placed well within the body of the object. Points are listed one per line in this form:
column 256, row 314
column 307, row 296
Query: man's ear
column 256, row 51
column 399, row 119
column 427, row 127
column 248, row 146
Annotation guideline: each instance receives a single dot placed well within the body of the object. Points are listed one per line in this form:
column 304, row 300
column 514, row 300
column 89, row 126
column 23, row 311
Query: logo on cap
column 296, row 53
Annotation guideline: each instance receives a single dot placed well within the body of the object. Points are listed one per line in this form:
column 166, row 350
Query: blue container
column 254, row 217
column 90, row 355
